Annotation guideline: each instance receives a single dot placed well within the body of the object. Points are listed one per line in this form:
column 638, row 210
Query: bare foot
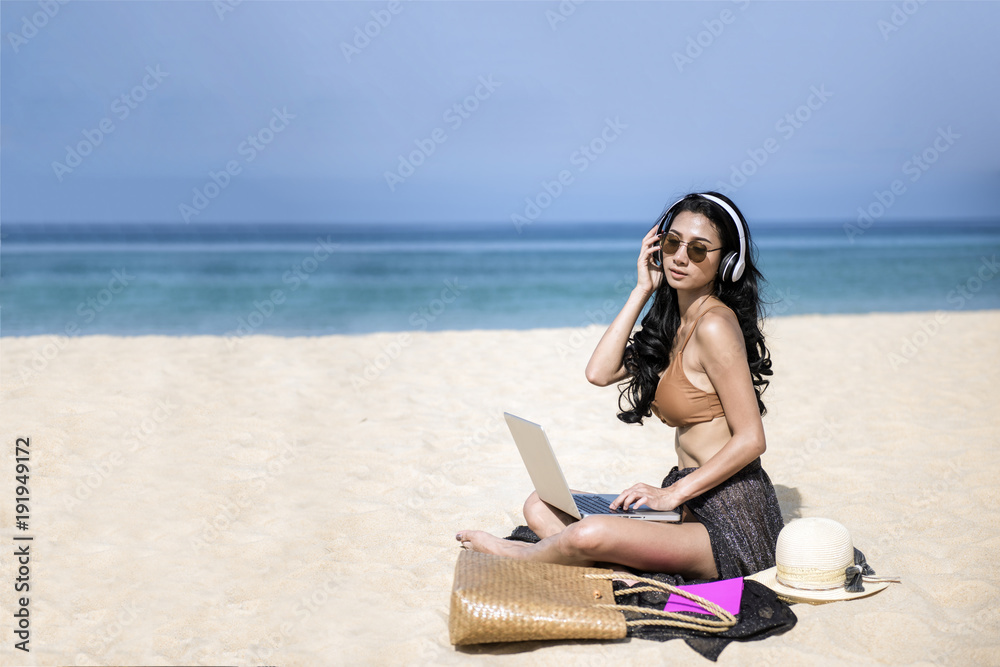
column 478, row 540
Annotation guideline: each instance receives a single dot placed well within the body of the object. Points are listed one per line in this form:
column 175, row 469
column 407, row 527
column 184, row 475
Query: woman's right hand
column 649, row 275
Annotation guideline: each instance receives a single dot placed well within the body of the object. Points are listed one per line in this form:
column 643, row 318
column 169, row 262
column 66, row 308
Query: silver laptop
column 551, row 485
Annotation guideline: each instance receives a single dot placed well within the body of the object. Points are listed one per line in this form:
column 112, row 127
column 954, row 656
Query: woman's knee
column 585, row 537
column 532, row 504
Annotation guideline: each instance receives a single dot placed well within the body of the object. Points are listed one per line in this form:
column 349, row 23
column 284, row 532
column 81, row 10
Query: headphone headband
column 737, row 271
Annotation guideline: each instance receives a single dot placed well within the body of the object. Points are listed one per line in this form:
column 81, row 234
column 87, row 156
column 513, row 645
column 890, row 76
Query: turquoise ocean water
column 291, row 280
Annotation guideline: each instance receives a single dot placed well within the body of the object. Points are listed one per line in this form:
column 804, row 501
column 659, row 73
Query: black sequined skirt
column 742, row 517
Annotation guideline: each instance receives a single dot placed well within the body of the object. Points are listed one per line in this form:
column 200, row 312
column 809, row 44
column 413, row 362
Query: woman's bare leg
column 679, row 548
column 544, row 519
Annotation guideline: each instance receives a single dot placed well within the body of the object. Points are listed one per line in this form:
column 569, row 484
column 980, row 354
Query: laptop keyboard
column 596, row 505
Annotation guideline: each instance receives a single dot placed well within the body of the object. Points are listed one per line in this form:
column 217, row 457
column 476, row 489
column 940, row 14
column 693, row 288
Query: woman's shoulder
column 718, row 308
column 719, row 325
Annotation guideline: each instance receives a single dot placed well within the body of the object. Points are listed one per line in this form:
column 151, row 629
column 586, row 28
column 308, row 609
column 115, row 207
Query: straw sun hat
column 817, row 562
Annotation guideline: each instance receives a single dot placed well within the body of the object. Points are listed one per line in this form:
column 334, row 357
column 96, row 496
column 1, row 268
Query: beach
column 294, row 501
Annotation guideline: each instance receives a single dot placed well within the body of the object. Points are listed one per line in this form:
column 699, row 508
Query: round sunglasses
column 696, row 250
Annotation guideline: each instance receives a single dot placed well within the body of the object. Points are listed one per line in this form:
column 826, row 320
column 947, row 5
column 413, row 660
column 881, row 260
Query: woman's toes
column 461, row 537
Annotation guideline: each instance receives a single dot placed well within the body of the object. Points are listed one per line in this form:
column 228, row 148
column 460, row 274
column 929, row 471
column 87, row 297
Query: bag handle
column 725, row 620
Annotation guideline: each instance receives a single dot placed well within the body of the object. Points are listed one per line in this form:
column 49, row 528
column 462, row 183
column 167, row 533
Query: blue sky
column 603, row 112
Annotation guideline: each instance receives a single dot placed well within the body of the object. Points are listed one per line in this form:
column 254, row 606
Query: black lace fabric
column 742, row 517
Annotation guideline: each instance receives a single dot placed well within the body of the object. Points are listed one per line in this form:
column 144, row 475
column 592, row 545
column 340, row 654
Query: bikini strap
column 721, row 305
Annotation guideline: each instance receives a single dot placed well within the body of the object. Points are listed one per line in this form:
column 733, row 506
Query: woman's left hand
column 652, row 496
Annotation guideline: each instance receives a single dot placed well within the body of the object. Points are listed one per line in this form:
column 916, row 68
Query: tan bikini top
column 677, row 401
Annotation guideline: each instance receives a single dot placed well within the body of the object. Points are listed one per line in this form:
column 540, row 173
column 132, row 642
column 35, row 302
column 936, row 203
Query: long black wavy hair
column 648, row 350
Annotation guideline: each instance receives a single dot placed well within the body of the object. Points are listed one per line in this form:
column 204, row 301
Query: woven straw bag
column 499, row 599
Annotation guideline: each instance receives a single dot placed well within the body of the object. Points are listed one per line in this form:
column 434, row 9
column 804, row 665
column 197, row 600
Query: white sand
column 198, row 501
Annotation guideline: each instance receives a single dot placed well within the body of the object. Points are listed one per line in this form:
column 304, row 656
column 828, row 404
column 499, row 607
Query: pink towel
column 726, row 593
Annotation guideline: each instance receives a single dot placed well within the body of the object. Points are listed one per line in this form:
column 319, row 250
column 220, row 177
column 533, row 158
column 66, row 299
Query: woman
column 703, row 321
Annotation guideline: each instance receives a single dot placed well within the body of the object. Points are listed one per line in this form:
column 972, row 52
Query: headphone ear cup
column 727, row 265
